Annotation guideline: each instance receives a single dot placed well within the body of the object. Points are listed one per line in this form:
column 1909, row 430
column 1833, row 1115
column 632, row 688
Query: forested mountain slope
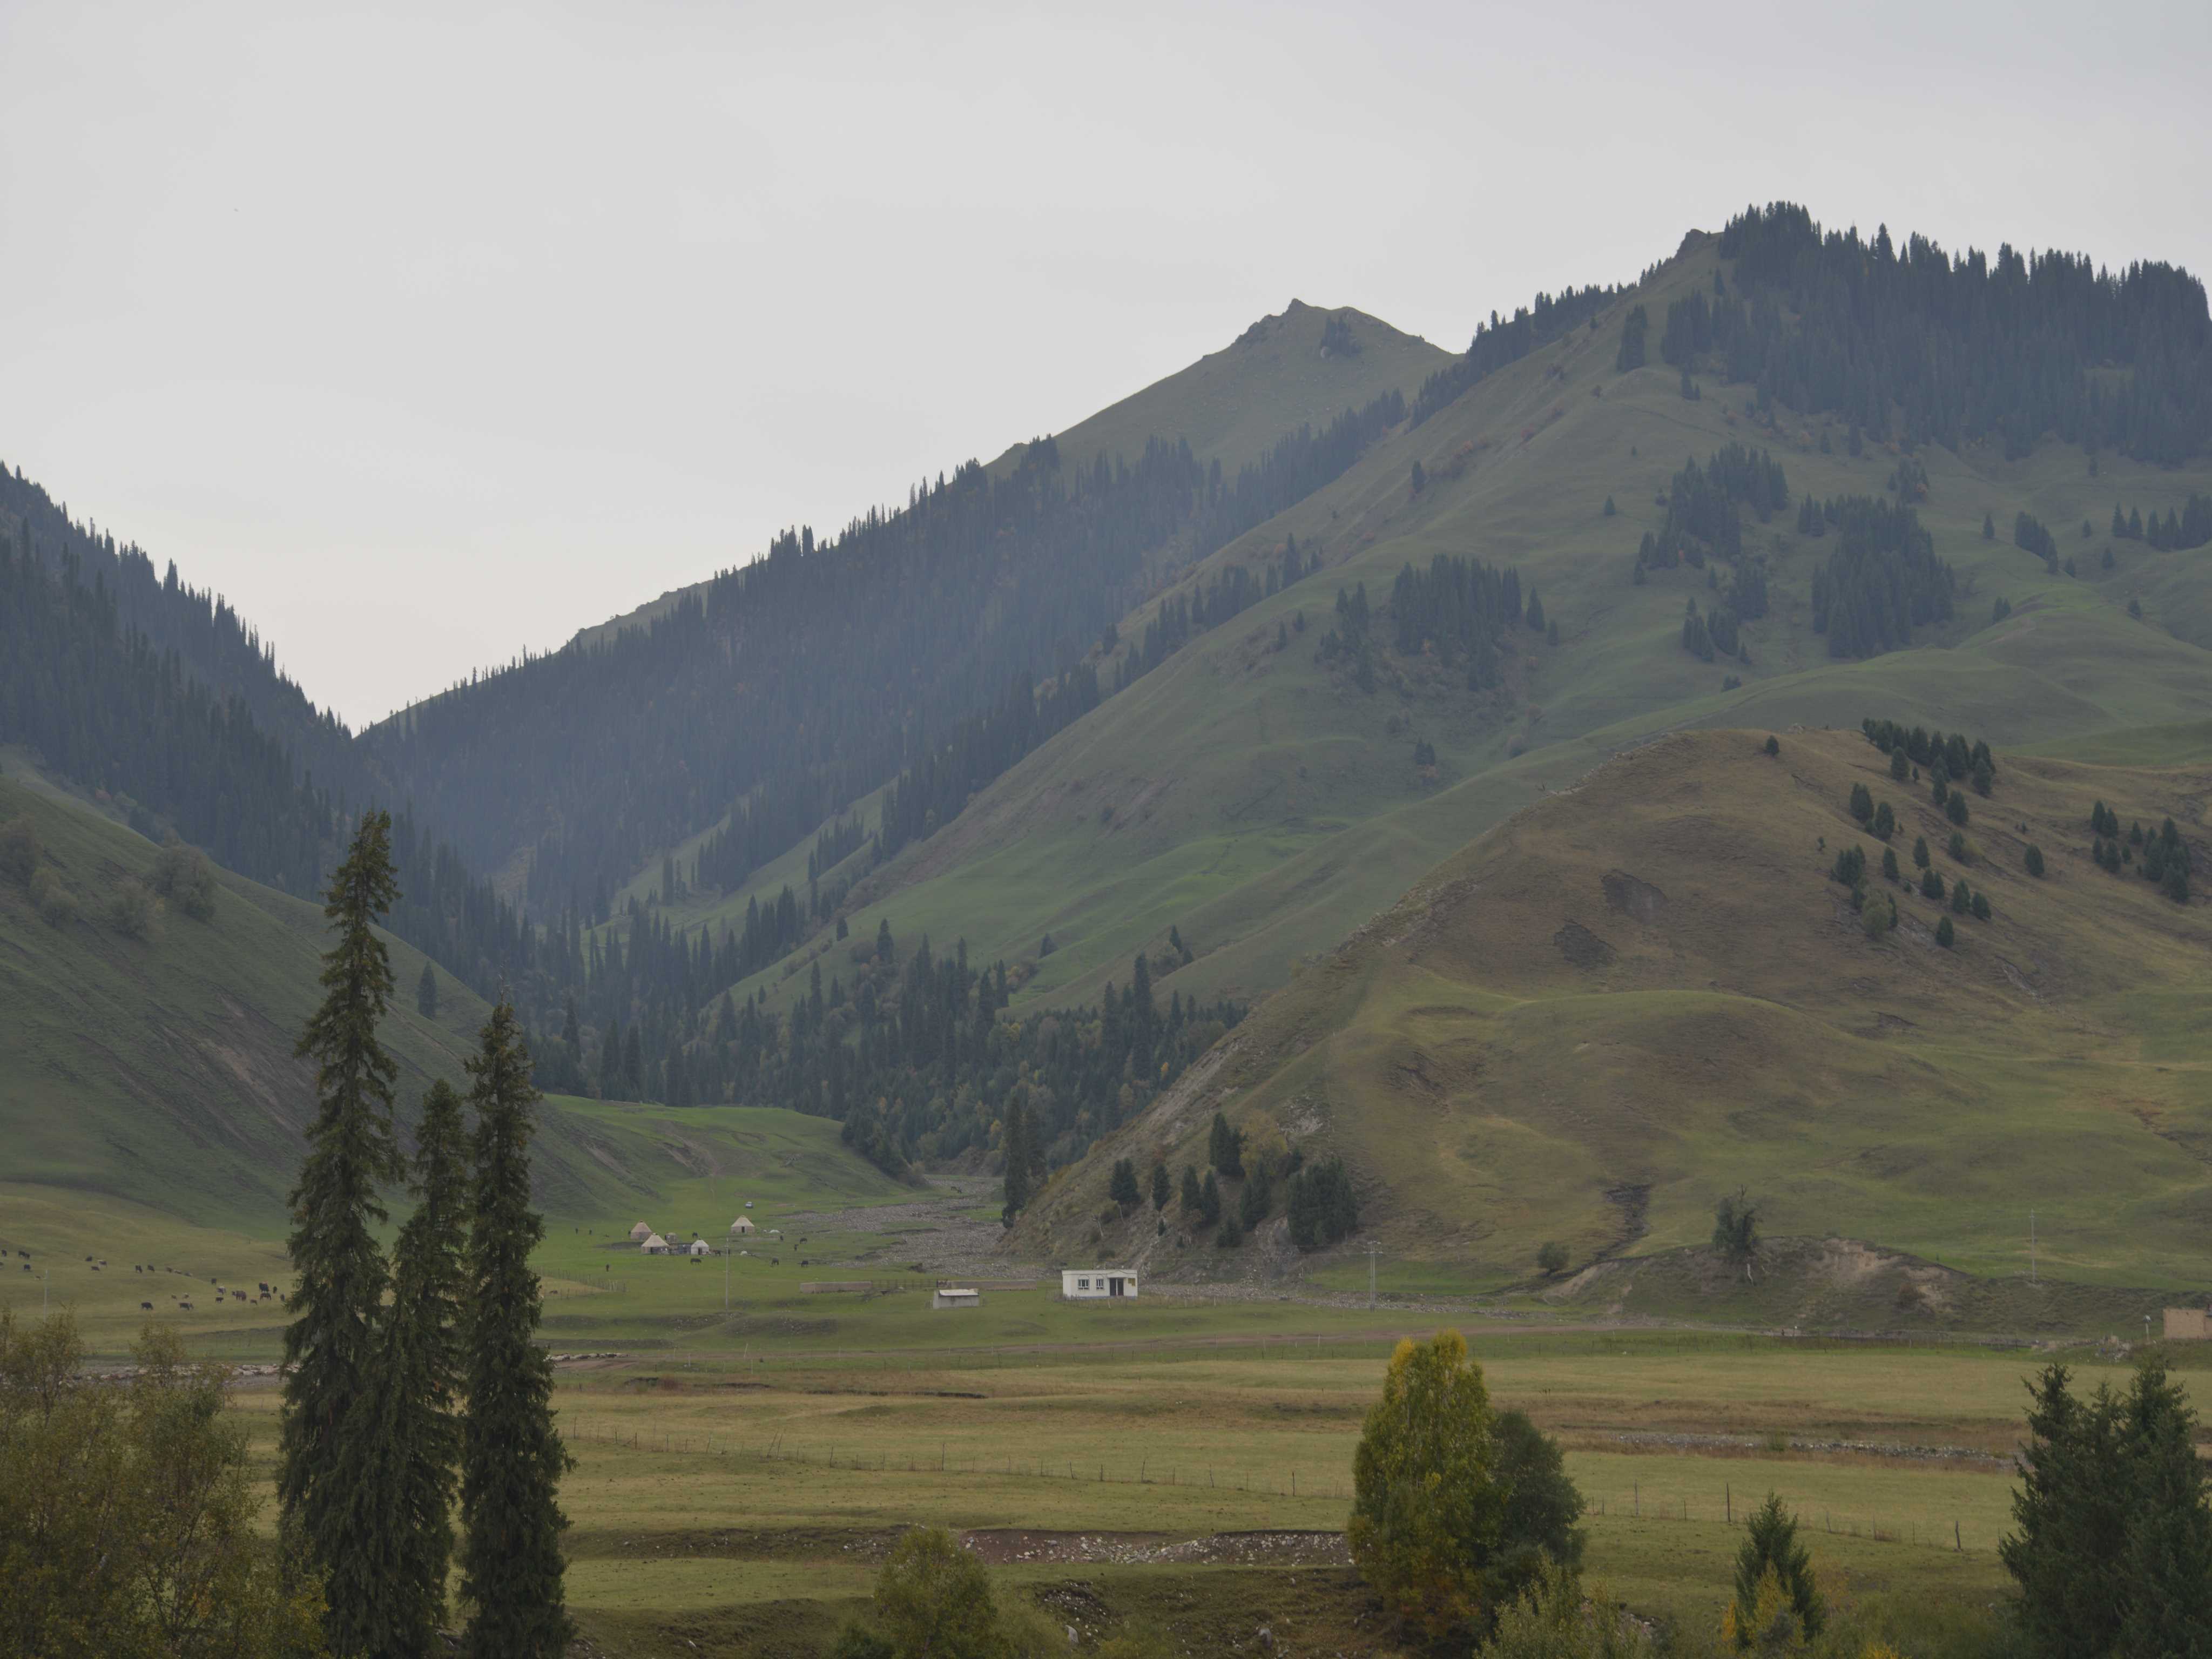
column 1270, row 784
column 780, row 692
column 1651, row 989
column 149, row 1067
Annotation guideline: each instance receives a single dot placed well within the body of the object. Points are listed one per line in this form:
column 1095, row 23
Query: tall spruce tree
column 511, row 1459
column 1017, row 1156
column 426, row 994
column 336, row 1493
column 423, row 1368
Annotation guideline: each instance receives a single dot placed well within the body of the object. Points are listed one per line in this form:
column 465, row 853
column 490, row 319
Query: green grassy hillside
column 1645, row 992
column 159, row 1070
column 152, row 1110
column 1257, row 799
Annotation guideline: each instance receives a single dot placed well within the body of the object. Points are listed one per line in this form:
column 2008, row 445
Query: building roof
column 654, row 1241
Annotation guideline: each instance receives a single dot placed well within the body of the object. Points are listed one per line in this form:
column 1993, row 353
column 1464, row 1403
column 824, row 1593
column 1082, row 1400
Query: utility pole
column 1371, row 1273
column 2031, row 1247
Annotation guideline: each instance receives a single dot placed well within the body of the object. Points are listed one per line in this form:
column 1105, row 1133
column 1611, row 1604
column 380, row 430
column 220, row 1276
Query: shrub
column 129, row 909
column 1850, row 867
column 19, row 850
column 1735, row 1230
column 1555, row 1618
column 56, row 905
column 1774, row 746
column 1981, row 907
column 183, row 876
column 2034, row 859
column 1551, row 1258
column 133, row 1509
column 933, row 1597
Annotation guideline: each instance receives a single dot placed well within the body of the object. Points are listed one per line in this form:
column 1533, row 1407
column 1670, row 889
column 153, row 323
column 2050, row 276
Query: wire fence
column 1286, row 1481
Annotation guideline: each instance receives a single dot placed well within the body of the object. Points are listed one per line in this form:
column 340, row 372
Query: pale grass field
column 707, row 1488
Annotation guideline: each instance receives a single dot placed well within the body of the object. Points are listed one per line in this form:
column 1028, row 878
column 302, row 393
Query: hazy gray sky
column 430, row 334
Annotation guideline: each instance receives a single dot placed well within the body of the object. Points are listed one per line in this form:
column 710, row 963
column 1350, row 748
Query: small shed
column 744, row 1223
column 1090, row 1284
column 654, row 1244
column 642, row 1231
column 701, row 1246
column 950, row 1296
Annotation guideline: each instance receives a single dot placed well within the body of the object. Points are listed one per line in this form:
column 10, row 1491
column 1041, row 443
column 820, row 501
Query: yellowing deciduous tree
column 1427, row 1511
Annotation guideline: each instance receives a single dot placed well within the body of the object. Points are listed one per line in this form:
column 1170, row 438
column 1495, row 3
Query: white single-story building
column 744, row 1223
column 642, row 1231
column 654, row 1244
column 1083, row 1283
column 949, row 1296
column 701, row 1246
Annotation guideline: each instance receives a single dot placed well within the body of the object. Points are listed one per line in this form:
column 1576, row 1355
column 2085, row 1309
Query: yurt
column 744, row 1223
column 654, row 1244
column 701, row 1246
column 642, row 1231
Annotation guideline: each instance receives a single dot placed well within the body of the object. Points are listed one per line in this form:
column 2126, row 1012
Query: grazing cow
column 147, row 1306
column 186, row 1306
column 265, row 1287
column 135, row 1269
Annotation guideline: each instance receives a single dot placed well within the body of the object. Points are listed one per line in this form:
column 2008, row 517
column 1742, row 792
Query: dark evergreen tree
column 1945, row 934
column 1989, row 527
column 2034, row 859
column 1209, row 1200
column 1191, row 1200
column 1770, row 1545
column 422, row 1396
column 339, row 1497
column 1163, row 1188
column 511, row 1459
column 1122, row 1187
column 1020, row 1157
column 1634, row 328
column 426, row 993
column 1225, row 1147
column 1861, row 803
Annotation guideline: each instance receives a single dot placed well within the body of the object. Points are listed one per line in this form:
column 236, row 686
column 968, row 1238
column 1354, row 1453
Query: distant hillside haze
column 894, row 822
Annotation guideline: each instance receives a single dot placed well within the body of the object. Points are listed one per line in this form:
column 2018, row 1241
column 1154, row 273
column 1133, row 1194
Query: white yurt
column 744, row 1223
column 701, row 1246
column 642, row 1231
column 654, row 1243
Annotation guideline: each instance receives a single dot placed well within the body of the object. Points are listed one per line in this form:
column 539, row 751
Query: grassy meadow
column 741, row 1500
